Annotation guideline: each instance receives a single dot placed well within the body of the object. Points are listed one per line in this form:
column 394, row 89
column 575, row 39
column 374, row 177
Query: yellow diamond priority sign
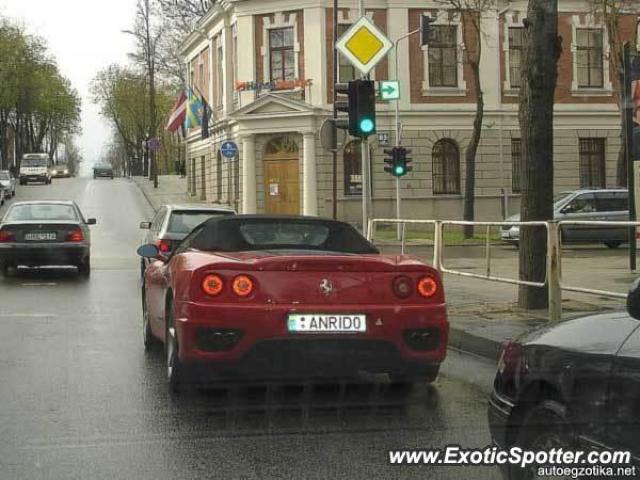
column 364, row 45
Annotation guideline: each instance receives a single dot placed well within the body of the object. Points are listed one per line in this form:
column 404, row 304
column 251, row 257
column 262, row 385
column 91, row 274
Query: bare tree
column 542, row 48
column 471, row 13
column 147, row 35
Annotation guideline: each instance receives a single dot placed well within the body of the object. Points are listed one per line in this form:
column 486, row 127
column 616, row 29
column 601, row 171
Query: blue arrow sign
column 229, row 149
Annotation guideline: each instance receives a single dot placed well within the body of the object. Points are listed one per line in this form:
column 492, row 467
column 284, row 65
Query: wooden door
column 282, row 186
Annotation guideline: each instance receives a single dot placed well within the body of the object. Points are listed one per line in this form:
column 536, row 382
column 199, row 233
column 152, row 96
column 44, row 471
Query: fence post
column 369, row 233
column 554, row 273
column 437, row 245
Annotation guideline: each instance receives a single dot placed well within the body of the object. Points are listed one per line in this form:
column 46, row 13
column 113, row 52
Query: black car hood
column 601, row 334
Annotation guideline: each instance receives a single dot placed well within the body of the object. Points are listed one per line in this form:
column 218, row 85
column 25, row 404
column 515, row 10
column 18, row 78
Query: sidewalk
column 482, row 314
column 171, row 189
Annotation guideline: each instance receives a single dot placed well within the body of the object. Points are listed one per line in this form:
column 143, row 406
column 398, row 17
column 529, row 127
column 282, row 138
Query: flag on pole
column 195, row 109
column 178, row 114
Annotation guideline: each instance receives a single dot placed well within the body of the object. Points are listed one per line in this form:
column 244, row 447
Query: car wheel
column 544, row 427
column 84, row 268
column 13, row 194
column 612, row 244
column 6, row 268
column 175, row 368
column 416, row 376
column 148, row 339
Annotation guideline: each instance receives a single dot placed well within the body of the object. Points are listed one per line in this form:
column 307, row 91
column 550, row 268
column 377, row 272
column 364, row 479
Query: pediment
column 273, row 104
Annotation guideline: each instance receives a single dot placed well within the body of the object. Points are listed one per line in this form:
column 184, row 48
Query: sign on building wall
column 275, row 85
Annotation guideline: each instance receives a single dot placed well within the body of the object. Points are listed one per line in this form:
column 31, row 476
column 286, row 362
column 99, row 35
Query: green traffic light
column 398, row 170
column 366, row 125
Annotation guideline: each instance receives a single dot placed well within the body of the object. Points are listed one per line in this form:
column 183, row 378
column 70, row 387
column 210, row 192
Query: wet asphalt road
column 79, row 398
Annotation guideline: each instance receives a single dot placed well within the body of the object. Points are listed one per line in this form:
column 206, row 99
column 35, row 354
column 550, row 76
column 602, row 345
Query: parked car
column 103, row 170
column 172, row 223
column 35, row 167
column 41, row 233
column 264, row 297
column 8, row 183
column 60, row 171
column 573, row 385
column 585, row 205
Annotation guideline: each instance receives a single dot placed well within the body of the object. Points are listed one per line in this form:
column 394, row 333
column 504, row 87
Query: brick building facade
column 265, row 67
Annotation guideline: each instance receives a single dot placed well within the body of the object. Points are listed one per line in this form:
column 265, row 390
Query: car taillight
column 402, row 286
column 242, row 286
column 212, row 285
column 427, row 287
column 75, row 236
column 164, row 246
column 6, row 236
column 512, row 360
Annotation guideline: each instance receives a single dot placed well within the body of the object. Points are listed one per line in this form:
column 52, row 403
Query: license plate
column 326, row 323
column 39, row 236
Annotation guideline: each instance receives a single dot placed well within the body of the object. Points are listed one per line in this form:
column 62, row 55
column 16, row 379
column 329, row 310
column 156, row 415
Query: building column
column 249, row 204
column 310, row 176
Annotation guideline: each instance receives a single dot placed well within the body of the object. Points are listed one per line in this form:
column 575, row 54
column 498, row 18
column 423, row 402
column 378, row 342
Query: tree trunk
column 540, row 73
column 470, row 154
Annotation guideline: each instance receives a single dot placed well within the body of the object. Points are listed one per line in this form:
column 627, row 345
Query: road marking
column 48, row 284
column 28, row 315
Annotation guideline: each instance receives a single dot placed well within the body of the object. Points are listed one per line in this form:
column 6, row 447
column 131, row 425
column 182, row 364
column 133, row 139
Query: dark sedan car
column 103, row 171
column 572, row 385
column 43, row 233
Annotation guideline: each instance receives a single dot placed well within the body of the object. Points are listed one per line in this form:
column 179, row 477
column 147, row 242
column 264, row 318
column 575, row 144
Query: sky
column 84, row 36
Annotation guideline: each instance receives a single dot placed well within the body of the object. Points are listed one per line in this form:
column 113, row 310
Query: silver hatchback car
column 585, row 205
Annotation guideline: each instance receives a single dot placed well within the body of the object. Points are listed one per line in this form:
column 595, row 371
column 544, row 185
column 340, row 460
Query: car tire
column 13, row 194
column 544, row 427
column 612, row 244
column 84, row 268
column 5, row 269
column 175, row 368
column 416, row 376
column 149, row 341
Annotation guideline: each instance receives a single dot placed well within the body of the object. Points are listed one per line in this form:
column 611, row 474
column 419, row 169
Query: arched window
column 352, row 157
column 446, row 167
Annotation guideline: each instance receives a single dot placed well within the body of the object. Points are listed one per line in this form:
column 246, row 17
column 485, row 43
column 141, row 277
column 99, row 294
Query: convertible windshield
column 237, row 234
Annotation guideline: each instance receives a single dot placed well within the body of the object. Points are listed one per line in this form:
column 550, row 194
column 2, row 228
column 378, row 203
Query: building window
column 281, row 54
column 219, row 73
column 592, row 168
column 589, row 57
column 346, row 70
column 516, row 158
column 446, row 167
column 443, row 57
column 352, row 157
column 516, row 47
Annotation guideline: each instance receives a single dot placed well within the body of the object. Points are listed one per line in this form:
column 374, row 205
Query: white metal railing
column 553, row 274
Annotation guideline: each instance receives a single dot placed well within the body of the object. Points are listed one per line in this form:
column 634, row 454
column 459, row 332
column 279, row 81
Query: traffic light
column 426, row 30
column 360, row 106
column 397, row 163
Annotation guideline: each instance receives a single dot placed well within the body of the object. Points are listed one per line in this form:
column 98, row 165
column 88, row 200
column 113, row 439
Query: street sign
column 389, row 90
column 383, row 138
column 154, row 144
column 229, row 149
column 332, row 138
column 364, row 45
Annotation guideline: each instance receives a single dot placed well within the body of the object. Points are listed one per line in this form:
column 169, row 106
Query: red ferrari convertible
column 271, row 297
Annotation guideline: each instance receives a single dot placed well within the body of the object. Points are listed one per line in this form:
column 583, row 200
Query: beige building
column 265, row 67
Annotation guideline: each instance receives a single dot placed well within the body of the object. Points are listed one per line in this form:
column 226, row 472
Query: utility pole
column 335, row 111
column 364, row 149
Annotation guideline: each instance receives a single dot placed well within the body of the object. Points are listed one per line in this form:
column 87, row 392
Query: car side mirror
column 148, row 251
column 91, row 221
column 145, row 225
column 633, row 300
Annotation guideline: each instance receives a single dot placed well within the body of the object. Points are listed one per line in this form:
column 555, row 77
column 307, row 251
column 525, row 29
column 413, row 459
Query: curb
column 146, row 196
column 467, row 342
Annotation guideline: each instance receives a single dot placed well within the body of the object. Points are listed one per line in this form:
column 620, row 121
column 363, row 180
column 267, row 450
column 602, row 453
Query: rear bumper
column 38, row 254
column 499, row 413
column 260, row 343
